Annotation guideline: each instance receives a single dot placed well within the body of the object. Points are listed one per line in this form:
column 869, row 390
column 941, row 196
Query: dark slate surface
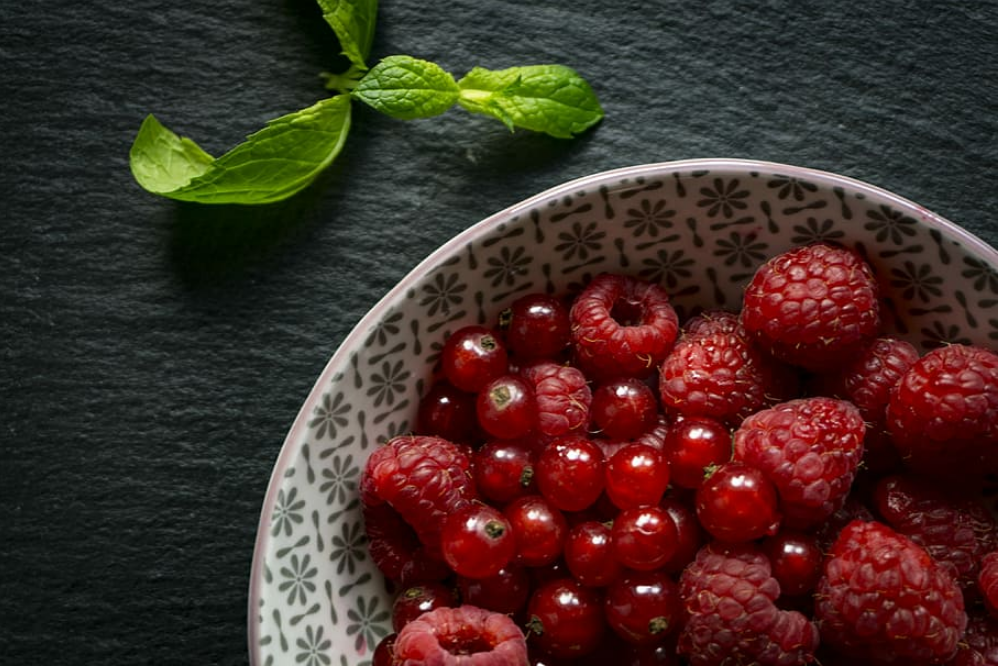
column 155, row 354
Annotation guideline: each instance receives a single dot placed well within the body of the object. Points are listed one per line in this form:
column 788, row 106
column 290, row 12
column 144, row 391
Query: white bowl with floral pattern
column 698, row 227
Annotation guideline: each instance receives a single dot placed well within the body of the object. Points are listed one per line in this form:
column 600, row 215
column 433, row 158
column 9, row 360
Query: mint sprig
column 290, row 151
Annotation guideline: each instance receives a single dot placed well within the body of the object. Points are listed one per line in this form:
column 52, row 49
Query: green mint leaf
column 543, row 98
column 353, row 22
column 407, row 88
column 271, row 165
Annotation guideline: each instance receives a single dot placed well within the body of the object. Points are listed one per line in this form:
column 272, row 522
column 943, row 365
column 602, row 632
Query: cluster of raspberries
column 593, row 481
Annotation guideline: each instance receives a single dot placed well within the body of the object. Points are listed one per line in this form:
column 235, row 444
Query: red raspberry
column 956, row 529
column 562, row 397
column 424, row 478
column 882, row 599
column 730, row 598
column 812, row 306
column 987, row 582
column 464, row 635
column 979, row 645
column 810, row 448
column 396, row 550
column 866, row 381
column 622, row 326
column 715, row 371
column 943, row 414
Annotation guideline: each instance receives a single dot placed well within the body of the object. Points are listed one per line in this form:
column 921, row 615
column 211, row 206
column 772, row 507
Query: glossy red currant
column 472, row 356
column 506, row 407
column 504, row 470
column 565, row 619
column 505, row 592
column 589, row 554
column 624, row 408
column 636, row 475
column 570, row 473
column 536, row 326
column 644, row 608
column 477, row 541
column 796, row 559
column 539, row 529
column 447, row 412
column 737, row 503
column 644, row 538
column 694, row 444
column 416, row 600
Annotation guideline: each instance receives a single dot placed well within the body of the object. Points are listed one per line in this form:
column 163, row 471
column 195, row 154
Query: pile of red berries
column 592, row 480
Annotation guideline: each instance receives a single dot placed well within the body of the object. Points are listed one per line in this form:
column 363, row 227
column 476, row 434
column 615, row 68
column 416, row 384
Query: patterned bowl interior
column 700, row 228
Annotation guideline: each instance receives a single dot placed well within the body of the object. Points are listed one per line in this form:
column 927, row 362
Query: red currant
column 737, row 503
column 565, row 619
column 693, row 444
column 384, row 652
column 477, row 541
column 691, row 535
column 570, row 473
column 624, row 408
column 472, row 356
column 506, row 407
column 589, row 554
column 643, row 608
column 504, row 470
column 447, row 412
column 644, row 538
column 417, row 600
column 505, row 592
column 636, row 475
column 536, row 326
column 540, row 529
column 796, row 559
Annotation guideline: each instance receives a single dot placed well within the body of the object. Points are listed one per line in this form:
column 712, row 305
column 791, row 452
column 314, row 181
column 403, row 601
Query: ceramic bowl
column 700, row 228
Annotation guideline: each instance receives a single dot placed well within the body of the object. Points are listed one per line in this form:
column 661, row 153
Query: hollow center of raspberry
column 466, row 641
column 627, row 312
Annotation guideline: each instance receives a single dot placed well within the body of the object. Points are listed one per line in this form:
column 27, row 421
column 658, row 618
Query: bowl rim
column 360, row 329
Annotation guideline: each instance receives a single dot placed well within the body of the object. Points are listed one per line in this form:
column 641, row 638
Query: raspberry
column 810, row 448
column 979, row 645
column 715, row 371
column 812, row 306
column 562, row 397
column 424, row 478
column 464, row 635
column 987, row 581
column 943, row 414
column 955, row 528
column 882, row 599
column 730, row 598
column 396, row 549
column 866, row 381
column 622, row 326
